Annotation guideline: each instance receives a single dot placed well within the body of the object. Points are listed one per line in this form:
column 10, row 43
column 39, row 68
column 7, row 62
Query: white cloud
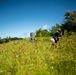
column 46, row 26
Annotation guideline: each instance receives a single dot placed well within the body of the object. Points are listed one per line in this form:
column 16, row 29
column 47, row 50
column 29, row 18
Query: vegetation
column 70, row 21
column 7, row 39
column 21, row 57
column 42, row 33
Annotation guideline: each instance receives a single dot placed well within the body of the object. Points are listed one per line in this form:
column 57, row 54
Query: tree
column 45, row 33
column 70, row 21
column 42, row 33
column 39, row 33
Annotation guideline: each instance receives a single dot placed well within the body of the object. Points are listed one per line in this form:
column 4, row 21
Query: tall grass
column 39, row 58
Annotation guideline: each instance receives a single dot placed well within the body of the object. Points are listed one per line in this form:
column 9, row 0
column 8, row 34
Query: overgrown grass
column 39, row 58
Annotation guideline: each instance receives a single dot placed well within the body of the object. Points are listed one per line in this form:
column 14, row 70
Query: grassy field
column 39, row 58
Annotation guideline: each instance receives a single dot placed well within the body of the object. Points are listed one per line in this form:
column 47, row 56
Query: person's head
column 59, row 29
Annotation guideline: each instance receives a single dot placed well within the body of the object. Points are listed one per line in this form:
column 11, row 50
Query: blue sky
column 20, row 17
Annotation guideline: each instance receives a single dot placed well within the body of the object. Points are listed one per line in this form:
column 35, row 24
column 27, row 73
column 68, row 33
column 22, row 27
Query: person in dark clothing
column 57, row 34
column 55, row 38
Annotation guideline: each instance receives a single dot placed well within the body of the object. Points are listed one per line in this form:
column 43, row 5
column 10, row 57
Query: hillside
column 39, row 58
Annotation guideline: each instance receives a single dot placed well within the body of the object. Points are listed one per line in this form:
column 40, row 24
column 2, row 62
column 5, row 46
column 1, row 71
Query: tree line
column 69, row 25
column 8, row 39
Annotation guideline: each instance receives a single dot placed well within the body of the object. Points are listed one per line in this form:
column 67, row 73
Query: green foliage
column 45, row 33
column 42, row 33
column 39, row 33
column 7, row 39
column 70, row 21
column 21, row 57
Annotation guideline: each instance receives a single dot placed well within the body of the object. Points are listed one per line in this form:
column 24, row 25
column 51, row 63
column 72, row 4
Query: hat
column 59, row 29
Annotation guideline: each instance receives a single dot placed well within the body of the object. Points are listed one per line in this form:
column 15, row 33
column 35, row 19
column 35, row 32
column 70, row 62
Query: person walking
column 57, row 34
column 55, row 38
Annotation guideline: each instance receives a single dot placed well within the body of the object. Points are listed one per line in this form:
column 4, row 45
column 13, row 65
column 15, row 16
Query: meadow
column 22, row 57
